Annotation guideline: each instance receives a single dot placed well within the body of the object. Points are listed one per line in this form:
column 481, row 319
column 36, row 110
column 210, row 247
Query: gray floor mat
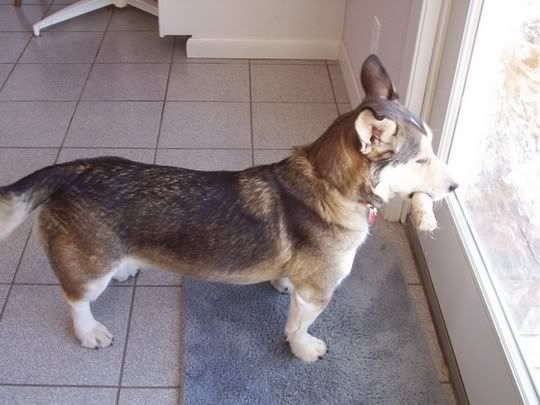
column 235, row 351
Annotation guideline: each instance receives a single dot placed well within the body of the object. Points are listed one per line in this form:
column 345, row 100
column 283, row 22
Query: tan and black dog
column 297, row 223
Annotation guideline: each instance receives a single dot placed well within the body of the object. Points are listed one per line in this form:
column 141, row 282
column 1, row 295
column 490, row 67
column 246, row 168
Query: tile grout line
column 124, row 352
column 56, row 159
column 129, row 148
column 89, row 386
column 332, row 86
column 181, row 309
column 6, row 299
column 20, row 56
column 113, row 12
column 29, row 235
column 180, row 62
column 38, row 284
column 136, row 279
column 156, row 285
column 82, row 90
column 130, row 315
column 251, row 114
column 44, row 284
column 23, row 251
column 118, row 100
column 182, row 347
column 114, row 63
column 164, row 101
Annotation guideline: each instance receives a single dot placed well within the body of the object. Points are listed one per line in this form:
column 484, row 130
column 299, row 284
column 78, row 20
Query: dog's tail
column 19, row 199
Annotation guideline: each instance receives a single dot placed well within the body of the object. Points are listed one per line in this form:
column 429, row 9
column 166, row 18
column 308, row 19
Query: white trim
column 150, row 6
column 423, row 52
column 398, row 208
column 414, row 75
column 349, row 76
column 405, row 209
column 414, row 33
column 436, row 59
column 261, row 48
column 393, row 209
column 432, row 23
column 460, row 78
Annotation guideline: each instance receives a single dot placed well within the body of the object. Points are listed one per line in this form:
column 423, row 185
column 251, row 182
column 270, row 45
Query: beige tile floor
column 106, row 84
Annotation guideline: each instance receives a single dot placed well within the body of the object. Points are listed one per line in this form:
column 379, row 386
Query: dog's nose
column 453, row 187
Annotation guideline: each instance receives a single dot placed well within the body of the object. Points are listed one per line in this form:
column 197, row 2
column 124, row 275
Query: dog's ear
column 375, row 79
column 377, row 136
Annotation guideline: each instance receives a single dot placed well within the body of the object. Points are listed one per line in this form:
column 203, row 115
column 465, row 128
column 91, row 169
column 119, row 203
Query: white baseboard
column 350, row 77
column 261, row 48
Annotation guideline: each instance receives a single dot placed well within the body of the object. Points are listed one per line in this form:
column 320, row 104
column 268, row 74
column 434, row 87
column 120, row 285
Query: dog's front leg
column 305, row 306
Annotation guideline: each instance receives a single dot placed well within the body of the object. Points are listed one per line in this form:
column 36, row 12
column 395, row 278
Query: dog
column 297, row 223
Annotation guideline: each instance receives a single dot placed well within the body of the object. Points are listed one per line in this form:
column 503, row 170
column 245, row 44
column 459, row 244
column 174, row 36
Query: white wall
column 394, row 41
column 308, row 29
column 398, row 50
column 303, row 29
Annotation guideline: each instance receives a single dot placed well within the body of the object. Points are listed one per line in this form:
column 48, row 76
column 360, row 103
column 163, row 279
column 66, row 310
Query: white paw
column 95, row 336
column 283, row 285
column 422, row 212
column 425, row 221
column 308, row 348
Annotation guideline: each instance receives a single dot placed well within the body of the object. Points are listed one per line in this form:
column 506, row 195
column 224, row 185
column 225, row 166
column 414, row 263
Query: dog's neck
column 336, row 160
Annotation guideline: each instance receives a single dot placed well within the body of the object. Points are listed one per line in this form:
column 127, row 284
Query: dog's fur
column 297, row 223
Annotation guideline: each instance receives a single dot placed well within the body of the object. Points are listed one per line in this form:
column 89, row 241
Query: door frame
column 427, row 26
column 486, row 352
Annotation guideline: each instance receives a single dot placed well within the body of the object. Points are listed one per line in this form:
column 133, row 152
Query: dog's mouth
column 410, row 195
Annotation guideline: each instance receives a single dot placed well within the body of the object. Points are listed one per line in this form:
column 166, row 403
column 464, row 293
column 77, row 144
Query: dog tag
column 372, row 214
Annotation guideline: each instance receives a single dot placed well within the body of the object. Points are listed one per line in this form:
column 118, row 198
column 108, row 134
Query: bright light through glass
column 496, row 153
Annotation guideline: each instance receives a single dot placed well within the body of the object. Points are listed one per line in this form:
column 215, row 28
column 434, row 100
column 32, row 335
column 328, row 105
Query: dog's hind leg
column 83, row 283
column 83, row 274
column 90, row 332
column 125, row 270
column 283, row 285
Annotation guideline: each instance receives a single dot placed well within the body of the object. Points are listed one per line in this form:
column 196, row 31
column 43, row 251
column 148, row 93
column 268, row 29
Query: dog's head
column 380, row 149
column 396, row 142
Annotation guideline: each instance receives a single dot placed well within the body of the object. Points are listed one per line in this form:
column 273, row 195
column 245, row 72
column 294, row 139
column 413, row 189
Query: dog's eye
column 421, row 161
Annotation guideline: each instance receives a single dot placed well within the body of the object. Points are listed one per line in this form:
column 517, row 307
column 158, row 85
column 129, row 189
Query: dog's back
column 214, row 222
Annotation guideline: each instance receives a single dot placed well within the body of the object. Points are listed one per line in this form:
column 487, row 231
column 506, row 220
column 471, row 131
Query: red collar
column 372, row 212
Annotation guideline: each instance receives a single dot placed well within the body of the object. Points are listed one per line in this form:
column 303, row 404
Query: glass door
column 485, row 259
